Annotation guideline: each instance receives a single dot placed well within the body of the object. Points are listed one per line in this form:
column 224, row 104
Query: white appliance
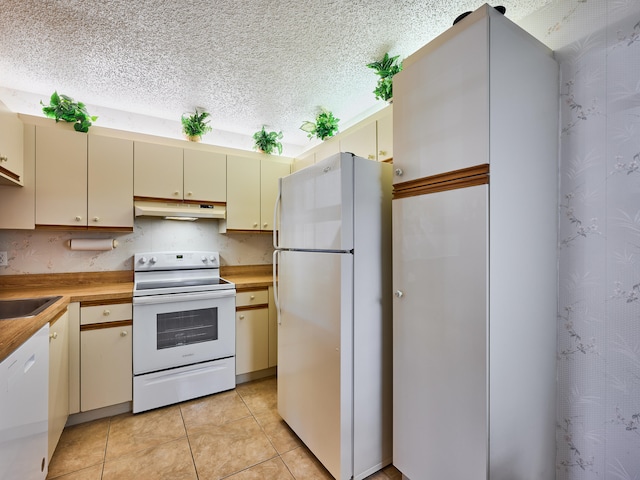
column 24, row 414
column 183, row 328
column 333, row 297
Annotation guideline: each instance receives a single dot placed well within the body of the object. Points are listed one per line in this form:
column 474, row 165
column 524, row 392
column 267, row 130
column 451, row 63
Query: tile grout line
column 186, row 432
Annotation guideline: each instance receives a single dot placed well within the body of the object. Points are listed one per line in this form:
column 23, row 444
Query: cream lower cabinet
column 106, row 368
column 83, row 180
column 11, row 148
column 252, row 330
column 58, row 378
column 252, row 188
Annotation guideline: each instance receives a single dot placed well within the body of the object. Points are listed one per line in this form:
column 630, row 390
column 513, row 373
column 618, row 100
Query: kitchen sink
column 25, row 307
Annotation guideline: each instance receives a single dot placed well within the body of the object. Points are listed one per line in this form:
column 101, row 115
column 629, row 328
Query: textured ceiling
column 248, row 63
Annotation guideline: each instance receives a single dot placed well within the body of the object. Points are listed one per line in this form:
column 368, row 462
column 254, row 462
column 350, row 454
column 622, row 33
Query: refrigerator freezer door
column 315, row 359
column 316, row 206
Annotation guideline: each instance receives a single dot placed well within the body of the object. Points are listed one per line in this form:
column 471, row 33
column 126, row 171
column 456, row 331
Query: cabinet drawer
column 253, row 297
column 106, row 313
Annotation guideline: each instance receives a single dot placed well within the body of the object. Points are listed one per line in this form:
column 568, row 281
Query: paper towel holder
column 92, row 244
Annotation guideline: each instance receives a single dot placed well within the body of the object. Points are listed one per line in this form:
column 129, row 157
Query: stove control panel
column 175, row 260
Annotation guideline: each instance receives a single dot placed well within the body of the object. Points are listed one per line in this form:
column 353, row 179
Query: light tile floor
column 235, row 435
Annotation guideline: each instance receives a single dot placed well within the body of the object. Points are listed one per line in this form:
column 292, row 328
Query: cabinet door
column 252, row 340
column 19, row 204
column 303, row 161
column 385, row 137
column 441, row 105
column 361, row 142
column 440, row 334
column 243, row 193
column 61, row 177
column 273, row 330
column 205, row 176
column 106, row 372
column 327, row 148
column 157, row 171
column 58, row 379
column 11, row 148
column 110, row 182
column 270, row 172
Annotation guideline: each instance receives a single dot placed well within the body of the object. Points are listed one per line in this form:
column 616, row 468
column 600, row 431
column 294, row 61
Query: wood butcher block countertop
column 89, row 287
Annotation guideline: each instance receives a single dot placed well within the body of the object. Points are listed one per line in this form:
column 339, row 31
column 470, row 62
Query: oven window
column 176, row 329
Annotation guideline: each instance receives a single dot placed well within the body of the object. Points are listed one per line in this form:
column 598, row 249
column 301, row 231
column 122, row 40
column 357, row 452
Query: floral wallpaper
column 597, row 44
column 47, row 251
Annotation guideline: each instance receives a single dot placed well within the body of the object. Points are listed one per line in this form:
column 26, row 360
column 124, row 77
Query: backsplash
column 47, row 251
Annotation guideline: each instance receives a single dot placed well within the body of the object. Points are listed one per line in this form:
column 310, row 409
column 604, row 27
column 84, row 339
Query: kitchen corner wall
column 46, row 251
column 597, row 43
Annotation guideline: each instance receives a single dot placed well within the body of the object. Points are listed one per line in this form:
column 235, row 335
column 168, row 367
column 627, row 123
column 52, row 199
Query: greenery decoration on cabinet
column 386, row 69
column 63, row 107
column 195, row 125
column 325, row 126
column 267, row 142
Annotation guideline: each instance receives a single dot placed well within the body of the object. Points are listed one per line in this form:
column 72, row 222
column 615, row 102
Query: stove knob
column 143, row 259
column 153, row 259
column 212, row 259
column 204, row 259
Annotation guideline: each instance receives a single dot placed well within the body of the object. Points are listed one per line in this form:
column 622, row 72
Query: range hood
column 178, row 211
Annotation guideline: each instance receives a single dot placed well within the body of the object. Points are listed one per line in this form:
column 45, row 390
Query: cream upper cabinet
column 361, row 141
column 11, row 148
column 270, row 172
column 252, row 186
column 61, row 176
column 385, row 137
column 205, row 176
column 18, row 203
column 157, row 171
column 329, row 147
column 83, row 180
column 110, row 182
column 243, row 193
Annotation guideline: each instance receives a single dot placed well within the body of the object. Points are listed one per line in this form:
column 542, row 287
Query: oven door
column 180, row 329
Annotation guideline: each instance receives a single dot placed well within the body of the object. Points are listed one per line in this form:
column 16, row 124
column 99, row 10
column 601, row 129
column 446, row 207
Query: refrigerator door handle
column 275, row 214
column 275, row 283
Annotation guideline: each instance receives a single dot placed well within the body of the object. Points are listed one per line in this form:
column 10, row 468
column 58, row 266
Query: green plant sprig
column 386, row 69
column 325, row 126
column 196, row 125
column 268, row 141
column 63, row 107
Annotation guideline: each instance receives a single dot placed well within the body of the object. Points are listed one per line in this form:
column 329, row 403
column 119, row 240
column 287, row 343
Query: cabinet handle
column 252, row 297
column 106, row 313
column 177, row 192
column 3, row 158
column 265, row 225
column 399, row 172
column 241, row 317
column 255, row 225
column 399, row 293
column 124, row 333
column 371, row 157
column 53, row 335
column 382, row 153
column 78, row 218
column 96, row 219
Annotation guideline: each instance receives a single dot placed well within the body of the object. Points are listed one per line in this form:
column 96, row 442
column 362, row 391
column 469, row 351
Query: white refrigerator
column 333, row 294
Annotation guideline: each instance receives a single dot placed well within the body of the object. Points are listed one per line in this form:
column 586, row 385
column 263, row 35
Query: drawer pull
column 241, row 317
column 124, row 333
column 53, row 335
column 106, row 313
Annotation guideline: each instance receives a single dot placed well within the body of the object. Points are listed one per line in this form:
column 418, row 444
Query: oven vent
column 178, row 210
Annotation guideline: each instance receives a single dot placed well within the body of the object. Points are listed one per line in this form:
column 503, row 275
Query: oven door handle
column 183, row 297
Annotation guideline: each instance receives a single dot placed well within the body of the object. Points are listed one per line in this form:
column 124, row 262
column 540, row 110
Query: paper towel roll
column 92, row 244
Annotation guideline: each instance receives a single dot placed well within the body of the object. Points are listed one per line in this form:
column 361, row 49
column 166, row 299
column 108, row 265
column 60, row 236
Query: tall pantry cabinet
column 474, row 254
